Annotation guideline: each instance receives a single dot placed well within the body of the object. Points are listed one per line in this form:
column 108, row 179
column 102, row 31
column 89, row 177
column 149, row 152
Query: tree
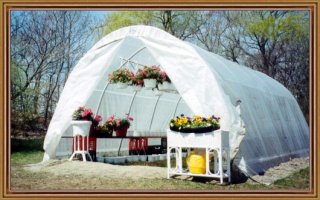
column 182, row 24
column 45, row 45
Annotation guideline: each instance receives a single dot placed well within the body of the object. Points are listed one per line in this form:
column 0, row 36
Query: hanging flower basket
column 165, row 86
column 81, row 127
column 122, row 131
column 121, row 77
column 150, row 83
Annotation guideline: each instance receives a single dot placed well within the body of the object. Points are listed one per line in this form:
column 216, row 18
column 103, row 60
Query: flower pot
column 143, row 158
column 162, row 156
column 165, row 86
column 122, row 131
column 121, row 85
column 129, row 159
column 135, row 158
column 100, row 159
column 203, row 129
column 150, row 83
column 151, row 158
column 109, row 160
column 81, row 127
column 119, row 160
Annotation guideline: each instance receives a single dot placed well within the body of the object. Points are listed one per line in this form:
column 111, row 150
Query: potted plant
column 122, row 77
column 150, row 76
column 137, row 82
column 82, row 119
column 164, row 82
column 104, row 131
column 194, row 125
column 120, row 125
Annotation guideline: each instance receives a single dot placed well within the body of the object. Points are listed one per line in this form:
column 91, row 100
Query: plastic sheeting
column 267, row 127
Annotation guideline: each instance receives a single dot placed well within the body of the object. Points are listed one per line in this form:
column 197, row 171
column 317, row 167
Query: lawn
column 23, row 179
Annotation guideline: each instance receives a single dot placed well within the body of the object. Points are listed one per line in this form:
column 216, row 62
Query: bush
column 18, row 145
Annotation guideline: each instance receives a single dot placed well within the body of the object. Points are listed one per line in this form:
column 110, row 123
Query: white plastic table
column 216, row 143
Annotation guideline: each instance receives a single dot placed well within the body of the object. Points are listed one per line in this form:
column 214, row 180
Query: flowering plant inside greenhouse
column 121, row 75
column 83, row 113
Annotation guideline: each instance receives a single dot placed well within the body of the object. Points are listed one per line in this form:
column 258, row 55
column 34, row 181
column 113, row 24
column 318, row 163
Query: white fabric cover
column 271, row 128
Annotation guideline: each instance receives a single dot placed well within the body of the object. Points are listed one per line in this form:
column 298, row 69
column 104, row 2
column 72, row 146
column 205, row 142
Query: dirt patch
column 103, row 170
column 65, row 167
column 283, row 170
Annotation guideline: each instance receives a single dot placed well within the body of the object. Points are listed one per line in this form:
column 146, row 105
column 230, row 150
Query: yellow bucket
column 196, row 162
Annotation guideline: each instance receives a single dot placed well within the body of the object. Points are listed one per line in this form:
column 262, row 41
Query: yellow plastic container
column 196, row 162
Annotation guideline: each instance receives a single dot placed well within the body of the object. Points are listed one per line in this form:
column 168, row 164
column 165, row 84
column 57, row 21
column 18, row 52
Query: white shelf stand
column 216, row 143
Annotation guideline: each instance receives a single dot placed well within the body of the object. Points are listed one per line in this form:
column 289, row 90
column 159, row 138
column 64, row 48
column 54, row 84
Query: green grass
column 22, row 158
column 298, row 180
column 26, row 151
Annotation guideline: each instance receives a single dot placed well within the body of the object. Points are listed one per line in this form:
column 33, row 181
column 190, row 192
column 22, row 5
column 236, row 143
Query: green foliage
column 121, row 19
column 273, row 27
column 26, row 145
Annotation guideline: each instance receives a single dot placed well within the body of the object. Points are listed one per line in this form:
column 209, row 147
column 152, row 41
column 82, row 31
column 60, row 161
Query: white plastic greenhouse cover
column 271, row 128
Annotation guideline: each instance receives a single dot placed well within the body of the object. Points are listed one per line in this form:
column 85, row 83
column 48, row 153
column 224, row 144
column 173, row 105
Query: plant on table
column 120, row 125
column 106, row 129
column 196, row 124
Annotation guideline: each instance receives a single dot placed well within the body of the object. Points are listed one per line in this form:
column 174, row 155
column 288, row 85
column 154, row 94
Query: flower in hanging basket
column 122, row 75
column 164, row 77
column 152, row 72
column 150, row 76
column 137, row 82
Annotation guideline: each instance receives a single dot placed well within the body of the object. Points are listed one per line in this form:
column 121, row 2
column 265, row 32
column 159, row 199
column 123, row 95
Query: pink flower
column 118, row 122
column 98, row 118
column 163, row 75
column 111, row 118
column 87, row 112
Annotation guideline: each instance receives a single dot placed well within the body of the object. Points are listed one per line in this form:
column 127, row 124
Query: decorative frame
column 314, row 85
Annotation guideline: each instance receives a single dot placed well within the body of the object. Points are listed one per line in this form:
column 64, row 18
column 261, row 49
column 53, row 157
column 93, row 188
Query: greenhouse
column 263, row 120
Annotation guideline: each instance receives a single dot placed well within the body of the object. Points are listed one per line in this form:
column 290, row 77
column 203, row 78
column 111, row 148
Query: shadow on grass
column 26, row 145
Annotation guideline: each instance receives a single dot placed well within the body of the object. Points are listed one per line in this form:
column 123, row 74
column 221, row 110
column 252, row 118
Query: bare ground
column 65, row 167
column 283, row 170
column 107, row 171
